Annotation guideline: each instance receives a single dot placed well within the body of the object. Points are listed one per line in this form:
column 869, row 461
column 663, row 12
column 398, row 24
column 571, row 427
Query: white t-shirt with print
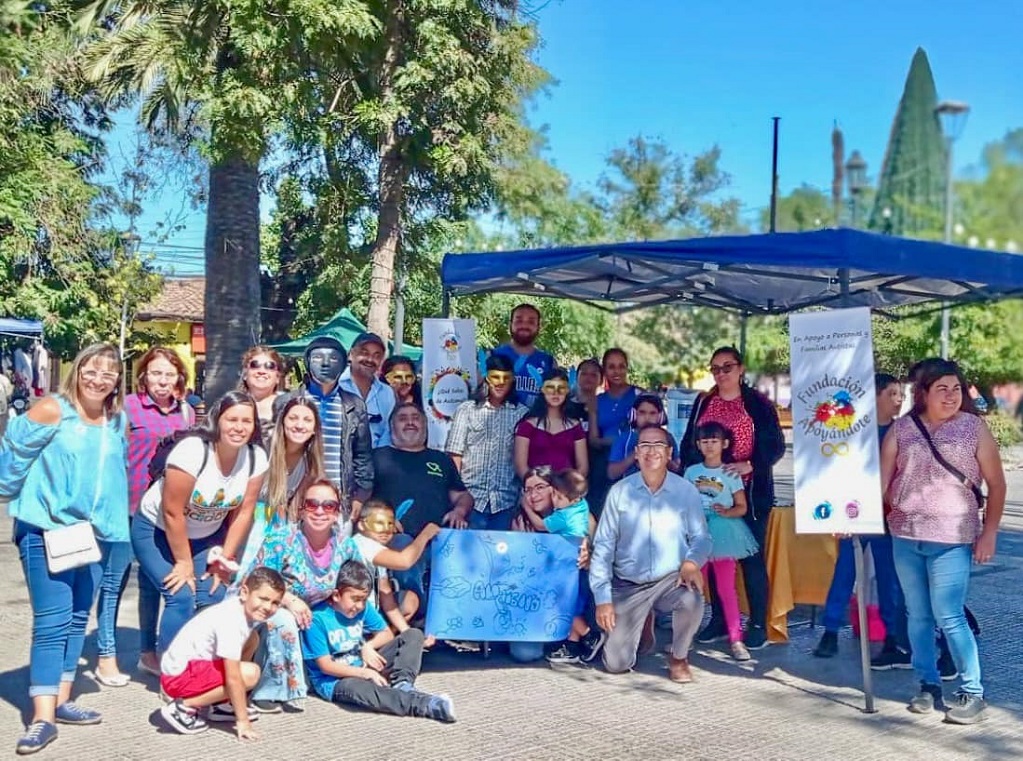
column 217, row 633
column 368, row 550
column 214, row 494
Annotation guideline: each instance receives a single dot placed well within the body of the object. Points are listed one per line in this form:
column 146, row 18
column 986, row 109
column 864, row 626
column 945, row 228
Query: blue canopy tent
column 19, row 328
column 749, row 274
column 767, row 274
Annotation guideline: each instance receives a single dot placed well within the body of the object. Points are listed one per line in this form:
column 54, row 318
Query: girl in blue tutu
column 724, row 504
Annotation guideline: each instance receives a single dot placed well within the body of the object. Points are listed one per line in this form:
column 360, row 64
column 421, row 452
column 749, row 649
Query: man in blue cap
column 347, row 449
column 361, row 377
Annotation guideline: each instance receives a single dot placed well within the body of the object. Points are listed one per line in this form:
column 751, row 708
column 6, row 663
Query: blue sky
column 699, row 74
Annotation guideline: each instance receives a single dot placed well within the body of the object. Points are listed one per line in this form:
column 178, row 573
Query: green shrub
column 1005, row 429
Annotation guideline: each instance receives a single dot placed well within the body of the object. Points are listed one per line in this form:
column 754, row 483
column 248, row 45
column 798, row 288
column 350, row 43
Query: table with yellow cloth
column 799, row 569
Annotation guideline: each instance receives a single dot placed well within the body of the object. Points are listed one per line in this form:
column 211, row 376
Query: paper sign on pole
column 449, row 372
column 502, row 586
column 834, row 423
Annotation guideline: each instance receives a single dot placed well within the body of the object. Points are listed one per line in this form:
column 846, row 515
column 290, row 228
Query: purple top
column 928, row 503
column 556, row 450
column 147, row 424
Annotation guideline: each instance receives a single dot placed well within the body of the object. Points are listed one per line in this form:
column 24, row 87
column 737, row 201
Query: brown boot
column 678, row 670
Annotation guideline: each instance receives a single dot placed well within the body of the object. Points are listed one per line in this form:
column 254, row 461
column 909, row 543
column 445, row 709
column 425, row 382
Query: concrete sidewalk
column 783, row 705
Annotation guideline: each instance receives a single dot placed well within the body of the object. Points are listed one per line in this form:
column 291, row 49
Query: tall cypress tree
column 912, row 182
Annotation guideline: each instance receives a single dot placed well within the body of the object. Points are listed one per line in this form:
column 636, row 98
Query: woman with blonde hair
column 62, row 466
column 261, row 376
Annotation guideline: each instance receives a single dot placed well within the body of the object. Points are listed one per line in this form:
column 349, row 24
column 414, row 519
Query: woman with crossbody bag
column 932, row 464
column 63, row 467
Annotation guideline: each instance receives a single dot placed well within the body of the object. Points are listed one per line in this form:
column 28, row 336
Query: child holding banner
column 724, row 504
column 571, row 517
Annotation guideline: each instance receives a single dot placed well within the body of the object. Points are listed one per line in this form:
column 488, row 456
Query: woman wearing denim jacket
column 61, row 464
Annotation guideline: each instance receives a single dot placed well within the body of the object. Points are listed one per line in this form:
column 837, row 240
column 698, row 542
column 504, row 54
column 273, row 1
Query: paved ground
column 784, row 705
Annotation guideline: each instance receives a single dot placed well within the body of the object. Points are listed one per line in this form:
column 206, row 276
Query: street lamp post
column 856, row 176
column 952, row 114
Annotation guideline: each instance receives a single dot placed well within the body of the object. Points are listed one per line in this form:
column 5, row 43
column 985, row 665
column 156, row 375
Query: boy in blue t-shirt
column 377, row 673
column 571, row 517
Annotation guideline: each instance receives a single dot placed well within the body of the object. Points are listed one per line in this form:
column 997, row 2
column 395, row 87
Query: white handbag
column 70, row 547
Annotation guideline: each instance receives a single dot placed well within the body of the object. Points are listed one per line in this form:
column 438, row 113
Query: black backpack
column 158, row 464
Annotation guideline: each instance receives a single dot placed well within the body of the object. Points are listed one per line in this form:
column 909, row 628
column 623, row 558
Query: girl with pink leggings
column 724, row 504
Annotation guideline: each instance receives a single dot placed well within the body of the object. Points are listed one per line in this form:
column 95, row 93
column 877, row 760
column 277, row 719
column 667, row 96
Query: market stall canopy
column 755, row 274
column 14, row 326
column 345, row 327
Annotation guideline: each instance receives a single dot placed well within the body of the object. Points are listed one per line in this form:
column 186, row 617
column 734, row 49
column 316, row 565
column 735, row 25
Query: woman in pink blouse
column 547, row 435
column 940, row 527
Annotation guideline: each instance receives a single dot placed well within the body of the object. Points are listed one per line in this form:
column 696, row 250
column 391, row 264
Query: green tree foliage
column 912, row 181
column 805, row 208
column 59, row 262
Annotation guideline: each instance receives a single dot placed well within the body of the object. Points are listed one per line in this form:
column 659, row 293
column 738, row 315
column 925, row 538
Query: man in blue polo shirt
column 530, row 362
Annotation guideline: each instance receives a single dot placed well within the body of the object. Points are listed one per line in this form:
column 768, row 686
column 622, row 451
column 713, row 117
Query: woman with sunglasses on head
column 63, row 468
column 192, row 523
column 400, row 374
column 547, row 435
column 262, row 371
column 157, row 409
column 757, row 444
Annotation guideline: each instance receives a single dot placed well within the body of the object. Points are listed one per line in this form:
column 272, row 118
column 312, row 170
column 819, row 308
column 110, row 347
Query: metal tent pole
column 861, row 609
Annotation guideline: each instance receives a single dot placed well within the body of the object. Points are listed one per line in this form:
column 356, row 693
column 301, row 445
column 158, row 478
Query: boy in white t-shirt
column 208, row 663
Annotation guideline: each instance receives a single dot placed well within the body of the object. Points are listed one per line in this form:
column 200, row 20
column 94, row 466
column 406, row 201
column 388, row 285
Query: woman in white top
column 262, row 371
column 205, row 499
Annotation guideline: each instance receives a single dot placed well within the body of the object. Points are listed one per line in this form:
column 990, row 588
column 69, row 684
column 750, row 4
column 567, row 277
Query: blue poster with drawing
column 502, row 586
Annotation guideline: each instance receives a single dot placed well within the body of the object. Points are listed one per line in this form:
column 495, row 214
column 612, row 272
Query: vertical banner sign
column 834, row 424
column 449, row 372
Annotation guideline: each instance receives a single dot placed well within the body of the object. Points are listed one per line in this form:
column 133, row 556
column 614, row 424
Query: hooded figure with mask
column 347, row 446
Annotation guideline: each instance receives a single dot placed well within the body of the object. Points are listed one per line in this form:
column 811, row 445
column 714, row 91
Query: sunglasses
column 327, row 506
column 724, row 369
column 555, row 388
column 255, row 364
column 396, row 376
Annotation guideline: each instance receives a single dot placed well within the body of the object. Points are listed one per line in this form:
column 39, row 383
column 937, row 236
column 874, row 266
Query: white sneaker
column 739, row 651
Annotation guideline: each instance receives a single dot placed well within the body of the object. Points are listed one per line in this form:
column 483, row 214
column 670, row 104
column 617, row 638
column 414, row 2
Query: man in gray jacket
column 650, row 543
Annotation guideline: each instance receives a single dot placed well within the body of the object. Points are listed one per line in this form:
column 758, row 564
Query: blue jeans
column 149, row 612
column 60, row 610
column 115, row 563
column 889, row 592
column 501, row 521
column 935, row 579
column 156, row 560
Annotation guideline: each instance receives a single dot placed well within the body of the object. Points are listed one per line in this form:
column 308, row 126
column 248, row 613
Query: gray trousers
column 634, row 602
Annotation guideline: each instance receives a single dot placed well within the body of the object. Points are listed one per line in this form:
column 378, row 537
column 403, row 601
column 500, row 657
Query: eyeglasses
column 554, row 388
column 94, row 375
column 255, row 364
column 398, row 376
column 539, row 488
column 724, row 369
column 170, row 375
column 327, row 506
column 651, row 446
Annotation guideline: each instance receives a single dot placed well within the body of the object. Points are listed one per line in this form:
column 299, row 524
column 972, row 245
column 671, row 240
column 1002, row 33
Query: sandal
column 114, row 680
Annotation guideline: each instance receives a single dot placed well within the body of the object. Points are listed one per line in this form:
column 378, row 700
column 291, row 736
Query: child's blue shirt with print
column 332, row 633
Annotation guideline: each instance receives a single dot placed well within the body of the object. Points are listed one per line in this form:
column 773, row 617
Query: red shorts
column 197, row 678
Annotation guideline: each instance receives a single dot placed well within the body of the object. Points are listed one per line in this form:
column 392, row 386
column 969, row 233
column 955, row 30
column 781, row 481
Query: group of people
column 285, row 537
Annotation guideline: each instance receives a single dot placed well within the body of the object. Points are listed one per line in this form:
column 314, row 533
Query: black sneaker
column 928, row 700
column 566, row 652
column 714, row 631
column 591, row 644
column 183, row 719
column 225, row 712
column 828, row 646
column 947, row 666
column 966, row 708
column 755, row 637
column 266, row 706
column 891, row 657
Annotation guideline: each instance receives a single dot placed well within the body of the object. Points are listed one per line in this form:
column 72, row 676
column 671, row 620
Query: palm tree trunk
column 391, row 177
column 232, row 271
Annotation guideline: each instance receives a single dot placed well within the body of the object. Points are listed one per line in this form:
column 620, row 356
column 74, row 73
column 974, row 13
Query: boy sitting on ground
column 375, row 530
column 377, row 673
column 209, row 661
column 571, row 517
